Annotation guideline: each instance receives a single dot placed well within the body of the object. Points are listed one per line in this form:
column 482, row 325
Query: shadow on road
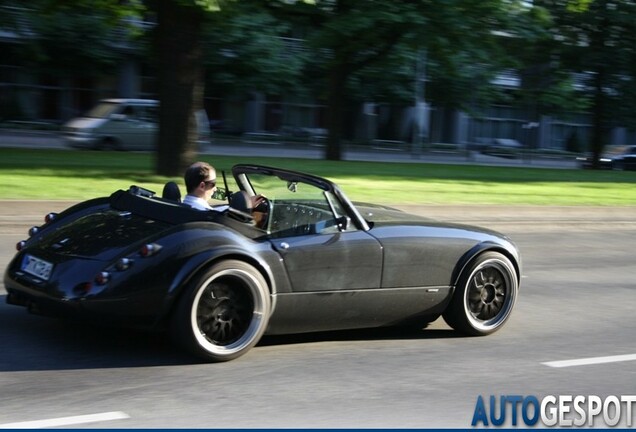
column 32, row 343
column 374, row 334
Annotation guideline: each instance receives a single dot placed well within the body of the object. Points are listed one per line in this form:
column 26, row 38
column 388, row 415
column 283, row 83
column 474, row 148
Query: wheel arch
column 200, row 263
column 222, row 313
column 479, row 249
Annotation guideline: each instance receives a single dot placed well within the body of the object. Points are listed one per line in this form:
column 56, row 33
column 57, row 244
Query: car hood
column 382, row 214
column 102, row 236
column 84, row 123
column 379, row 215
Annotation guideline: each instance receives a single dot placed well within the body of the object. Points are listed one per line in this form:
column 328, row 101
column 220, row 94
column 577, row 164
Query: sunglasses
column 210, row 182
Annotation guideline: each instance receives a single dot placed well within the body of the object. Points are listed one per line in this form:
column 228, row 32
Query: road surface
column 577, row 301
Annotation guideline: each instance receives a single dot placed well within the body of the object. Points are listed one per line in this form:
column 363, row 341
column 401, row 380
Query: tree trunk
column 335, row 108
column 597, row 46
column 180, row 64
column 598, row 123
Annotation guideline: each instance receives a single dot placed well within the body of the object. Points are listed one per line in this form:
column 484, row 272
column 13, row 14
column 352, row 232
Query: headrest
column 171, row 191
column 241, row 201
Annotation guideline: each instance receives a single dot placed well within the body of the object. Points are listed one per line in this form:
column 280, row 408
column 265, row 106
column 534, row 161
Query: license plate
column 37, row 267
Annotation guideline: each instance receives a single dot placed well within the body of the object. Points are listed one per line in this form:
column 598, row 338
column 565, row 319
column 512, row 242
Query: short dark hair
column 196, row 173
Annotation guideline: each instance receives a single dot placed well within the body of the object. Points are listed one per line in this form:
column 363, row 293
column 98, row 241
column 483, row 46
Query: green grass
column 77, row 175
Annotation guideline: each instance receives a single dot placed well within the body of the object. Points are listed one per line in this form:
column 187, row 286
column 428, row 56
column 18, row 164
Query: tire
column 223, row 313
column 107, row 143
column 485, row 295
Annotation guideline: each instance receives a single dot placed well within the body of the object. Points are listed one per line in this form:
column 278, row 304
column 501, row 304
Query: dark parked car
column 217, row 280
column 613, row 157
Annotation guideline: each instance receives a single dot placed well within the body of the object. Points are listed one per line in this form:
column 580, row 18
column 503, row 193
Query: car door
column 333, row 265
column 322, row 249
column 139, row 129
column 331, row 261
column 335, row 275
column 321, row 245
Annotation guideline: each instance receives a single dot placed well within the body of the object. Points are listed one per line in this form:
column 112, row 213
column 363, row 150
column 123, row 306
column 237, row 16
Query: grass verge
column 78, row 175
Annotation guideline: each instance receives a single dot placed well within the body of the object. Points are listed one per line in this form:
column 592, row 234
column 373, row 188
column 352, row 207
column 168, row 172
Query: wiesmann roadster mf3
column 218, row 280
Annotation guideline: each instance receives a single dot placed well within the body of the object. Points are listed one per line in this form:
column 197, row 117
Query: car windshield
column 103, row 110
column 278, row 189
column 296, row 207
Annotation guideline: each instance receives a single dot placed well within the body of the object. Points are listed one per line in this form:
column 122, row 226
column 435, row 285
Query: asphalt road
column 577, row 300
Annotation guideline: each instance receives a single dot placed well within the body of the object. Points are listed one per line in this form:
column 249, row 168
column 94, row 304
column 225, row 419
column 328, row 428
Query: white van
column 123, row 124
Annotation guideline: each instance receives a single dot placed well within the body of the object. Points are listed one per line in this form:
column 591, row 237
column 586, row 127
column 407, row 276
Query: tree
column 459, row 37
column 237, row 46
column 598, row 41
column 244, row 52
column 91, row 36
column 59, row 41
column 355, row 34
column 179, row 58
column 544, row 85
column 64, row 37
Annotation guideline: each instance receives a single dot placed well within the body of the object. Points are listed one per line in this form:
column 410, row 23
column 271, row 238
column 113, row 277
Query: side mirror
column 343, row 223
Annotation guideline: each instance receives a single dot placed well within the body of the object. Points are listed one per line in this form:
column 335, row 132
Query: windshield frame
column 241, row 173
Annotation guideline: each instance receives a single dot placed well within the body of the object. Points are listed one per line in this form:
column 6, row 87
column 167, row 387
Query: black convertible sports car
column 308, row 260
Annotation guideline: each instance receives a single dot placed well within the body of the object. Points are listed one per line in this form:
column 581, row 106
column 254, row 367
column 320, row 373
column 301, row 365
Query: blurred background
column 493, row 75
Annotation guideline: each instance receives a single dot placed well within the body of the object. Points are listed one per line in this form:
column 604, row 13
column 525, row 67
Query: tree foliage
column 597, row 41
column 244, row 52
column 354, row 51
column 64, row 37
column 369, row 50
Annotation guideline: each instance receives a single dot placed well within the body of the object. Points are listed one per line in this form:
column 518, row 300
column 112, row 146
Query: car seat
column 171, row 192
column 241, row 201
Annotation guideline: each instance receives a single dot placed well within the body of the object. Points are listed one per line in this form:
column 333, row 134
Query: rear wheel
column 224, row 313
column 485, row 295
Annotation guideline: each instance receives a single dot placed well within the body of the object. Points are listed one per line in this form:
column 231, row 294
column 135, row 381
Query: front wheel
column 107, row 143
column 485, row 295
column 224, row 312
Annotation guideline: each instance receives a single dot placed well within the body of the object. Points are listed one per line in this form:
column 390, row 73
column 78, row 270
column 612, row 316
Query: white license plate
column 37, row 267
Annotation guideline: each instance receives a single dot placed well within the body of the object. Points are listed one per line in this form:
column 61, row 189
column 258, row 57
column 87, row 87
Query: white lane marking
column 67, row 421
column 591, row 361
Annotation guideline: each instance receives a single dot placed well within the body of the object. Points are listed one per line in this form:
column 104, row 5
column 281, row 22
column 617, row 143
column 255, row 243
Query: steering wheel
column 262, row 212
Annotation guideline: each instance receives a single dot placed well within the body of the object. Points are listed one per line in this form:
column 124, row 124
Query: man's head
column 200, row 180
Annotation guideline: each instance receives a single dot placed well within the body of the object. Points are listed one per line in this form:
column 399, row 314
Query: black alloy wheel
column 485, row 295
column 224, row 313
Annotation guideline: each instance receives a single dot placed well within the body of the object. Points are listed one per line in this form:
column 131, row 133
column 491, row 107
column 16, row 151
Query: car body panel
column 310, row 261
column 328, row 263
column 353, row 309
